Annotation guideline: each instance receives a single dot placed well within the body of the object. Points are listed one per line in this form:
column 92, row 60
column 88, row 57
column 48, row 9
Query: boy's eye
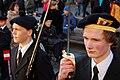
column 14, row 29
column 96, row 40
column 85, row 38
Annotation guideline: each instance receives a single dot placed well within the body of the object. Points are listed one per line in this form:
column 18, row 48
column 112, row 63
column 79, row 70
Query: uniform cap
column 3, row 18
column 28, row 22
column 102, row 21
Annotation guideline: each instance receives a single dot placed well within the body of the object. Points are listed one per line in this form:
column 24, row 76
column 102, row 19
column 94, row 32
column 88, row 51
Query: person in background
column 23, row 29
column 104, row 4
column 55, row 16
column 60, row 5
column 12, row 13
column 6, row 5
column 45, row 4
column 79, row 7
column 85, row 4
column 92, row 5
column 27, row 6
column 99, row 33
column 36, row 5
column 5, row 39
column 51, row 41
column 65, row 21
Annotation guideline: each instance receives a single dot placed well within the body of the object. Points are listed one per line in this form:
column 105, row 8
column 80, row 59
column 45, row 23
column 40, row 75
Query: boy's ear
column 30, row 32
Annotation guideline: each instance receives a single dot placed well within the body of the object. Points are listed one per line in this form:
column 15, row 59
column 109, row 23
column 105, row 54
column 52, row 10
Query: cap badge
column 104, row 22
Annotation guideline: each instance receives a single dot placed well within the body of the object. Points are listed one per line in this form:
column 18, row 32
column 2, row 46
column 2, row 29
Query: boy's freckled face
column 95, row 43
column 20, row 34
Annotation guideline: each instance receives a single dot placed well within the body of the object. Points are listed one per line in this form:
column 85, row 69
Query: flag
column 6, row 55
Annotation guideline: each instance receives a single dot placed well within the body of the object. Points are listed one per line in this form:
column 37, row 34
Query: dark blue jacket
column 65, row 22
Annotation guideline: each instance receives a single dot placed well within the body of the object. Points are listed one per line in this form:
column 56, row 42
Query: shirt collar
column 24, row 49
column 103, row 65
column 3, row 27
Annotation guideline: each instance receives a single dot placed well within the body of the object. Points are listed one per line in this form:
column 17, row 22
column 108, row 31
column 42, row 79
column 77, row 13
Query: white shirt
column 3, row 27
column 24, row 49
column 102, row 66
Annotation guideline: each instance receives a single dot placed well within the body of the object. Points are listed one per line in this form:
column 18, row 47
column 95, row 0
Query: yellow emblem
column 104, row 22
